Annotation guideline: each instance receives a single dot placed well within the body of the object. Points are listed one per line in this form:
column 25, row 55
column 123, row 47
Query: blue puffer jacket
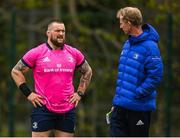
column 140, row 70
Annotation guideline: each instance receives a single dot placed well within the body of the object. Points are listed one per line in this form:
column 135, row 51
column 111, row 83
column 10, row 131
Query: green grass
column 20, row 131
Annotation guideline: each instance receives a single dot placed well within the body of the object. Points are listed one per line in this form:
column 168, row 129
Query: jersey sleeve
column 79, row 58
column 30, row 57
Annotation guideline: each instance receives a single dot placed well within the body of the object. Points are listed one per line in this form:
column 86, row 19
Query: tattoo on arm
column 86, row 71
column 21, row 67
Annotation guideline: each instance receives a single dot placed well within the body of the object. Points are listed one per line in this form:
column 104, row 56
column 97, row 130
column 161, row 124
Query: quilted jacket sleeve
column 154, row 72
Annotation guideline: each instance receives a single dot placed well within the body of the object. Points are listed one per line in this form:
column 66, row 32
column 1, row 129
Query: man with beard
column 54, row 98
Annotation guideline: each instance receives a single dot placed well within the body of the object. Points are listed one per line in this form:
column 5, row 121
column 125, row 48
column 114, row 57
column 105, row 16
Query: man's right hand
column 35, row 99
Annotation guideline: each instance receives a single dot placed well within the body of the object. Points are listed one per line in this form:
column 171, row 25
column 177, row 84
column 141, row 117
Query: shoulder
column 39, row 48
column 151, row 47
column 126, row 44
column 36, row 51
column 42, row 46
column 71, row 49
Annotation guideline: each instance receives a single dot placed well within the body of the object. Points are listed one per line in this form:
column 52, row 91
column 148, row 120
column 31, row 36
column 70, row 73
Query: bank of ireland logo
column 58, row 65
column 35, row 125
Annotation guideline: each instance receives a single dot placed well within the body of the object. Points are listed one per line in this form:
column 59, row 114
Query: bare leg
column 59, row 133
column 41, row 134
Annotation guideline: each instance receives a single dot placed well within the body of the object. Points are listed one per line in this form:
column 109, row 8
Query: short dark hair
column 54, row 21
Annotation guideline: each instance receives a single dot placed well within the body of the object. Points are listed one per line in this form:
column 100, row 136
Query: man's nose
column 61, row 32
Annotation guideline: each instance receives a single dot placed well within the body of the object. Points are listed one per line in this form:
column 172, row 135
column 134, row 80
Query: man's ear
column 47, row 33
column 129, row 22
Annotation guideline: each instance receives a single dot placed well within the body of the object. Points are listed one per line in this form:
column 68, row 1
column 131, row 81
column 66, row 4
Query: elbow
column 90, row 72
column 13, row 72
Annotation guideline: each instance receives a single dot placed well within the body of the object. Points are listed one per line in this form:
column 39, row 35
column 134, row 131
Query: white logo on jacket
column 135, row 56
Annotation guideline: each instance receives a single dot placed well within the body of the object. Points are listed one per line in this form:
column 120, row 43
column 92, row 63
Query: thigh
column 42, row 120
column 139, row 123
column 118, row 122
column 41, row 134
column 66, row 122
column 59, row 133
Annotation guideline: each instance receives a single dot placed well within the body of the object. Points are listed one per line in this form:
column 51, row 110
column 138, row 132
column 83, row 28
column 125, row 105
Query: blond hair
column 131, row 14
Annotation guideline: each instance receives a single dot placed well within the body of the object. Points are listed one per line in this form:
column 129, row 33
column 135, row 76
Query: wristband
column 81, row 94
column 25, row 89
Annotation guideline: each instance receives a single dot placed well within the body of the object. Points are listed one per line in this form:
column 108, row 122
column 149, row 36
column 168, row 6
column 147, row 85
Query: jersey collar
column 51, row 47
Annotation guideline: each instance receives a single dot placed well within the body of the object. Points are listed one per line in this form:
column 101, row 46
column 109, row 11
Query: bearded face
column 56, row 34
column 58, row 40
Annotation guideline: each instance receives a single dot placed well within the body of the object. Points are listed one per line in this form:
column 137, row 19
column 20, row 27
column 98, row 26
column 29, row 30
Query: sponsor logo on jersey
column 46, row 59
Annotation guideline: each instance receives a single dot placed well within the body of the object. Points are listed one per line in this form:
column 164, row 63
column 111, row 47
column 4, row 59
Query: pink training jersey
column 53, row 72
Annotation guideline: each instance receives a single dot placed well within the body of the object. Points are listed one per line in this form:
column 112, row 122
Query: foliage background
column 93, row 28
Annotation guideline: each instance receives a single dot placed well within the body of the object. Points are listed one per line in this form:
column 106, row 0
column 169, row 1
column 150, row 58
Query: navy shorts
column 43, row 120
column 129, row 123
